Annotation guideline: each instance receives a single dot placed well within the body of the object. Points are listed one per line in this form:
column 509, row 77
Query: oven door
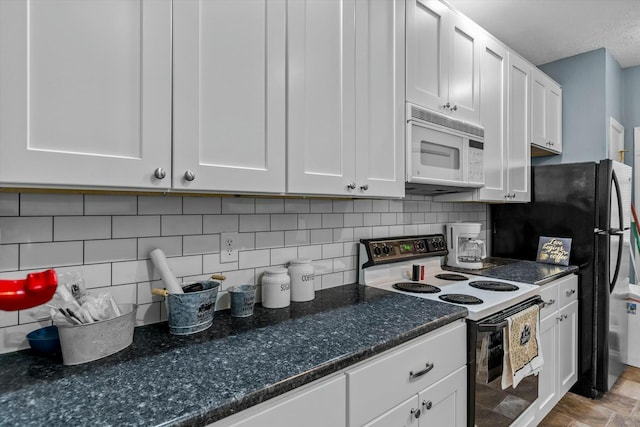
column 436, row 157
column 489, row 404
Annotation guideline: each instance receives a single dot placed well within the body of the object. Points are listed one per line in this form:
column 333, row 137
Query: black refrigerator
column 591, row 204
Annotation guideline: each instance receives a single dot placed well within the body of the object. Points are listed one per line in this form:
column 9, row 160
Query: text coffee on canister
column 302, row 280
column 276, row 288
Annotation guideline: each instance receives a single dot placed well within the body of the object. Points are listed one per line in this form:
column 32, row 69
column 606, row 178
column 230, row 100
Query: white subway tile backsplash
column 296, row 237
column 13, row 338
column 163, row 205
column 171, row 246
column 81, row 228
column 270, row 239
column 9, row 204
column 109, row 250
column 25, row 229
column 203, row 244
column 135, row 226
column 46, row 255
column 238, row 205
column 250, row 223
column 107, row 239
column 296, row 205
column 110, row 205
column 35, row 204
column 284, row 221
column 178, row 225
column 201, row 205
column 214, row 224
column 8, row 258
column 251, row 259
column 269, row 206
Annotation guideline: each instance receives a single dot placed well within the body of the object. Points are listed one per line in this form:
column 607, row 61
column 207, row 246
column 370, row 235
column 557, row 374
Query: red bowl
column 35, row 290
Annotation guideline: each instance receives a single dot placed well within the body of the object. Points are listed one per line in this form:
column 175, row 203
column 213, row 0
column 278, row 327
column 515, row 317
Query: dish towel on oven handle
column 522, row 355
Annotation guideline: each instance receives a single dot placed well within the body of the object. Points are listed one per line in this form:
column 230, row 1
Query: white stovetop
column 493, row 301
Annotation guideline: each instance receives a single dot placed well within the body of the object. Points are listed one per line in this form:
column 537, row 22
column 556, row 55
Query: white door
column 229, row 95
column 616, row 140
column 518, row 130
column 464, row 69
column 548, row 378
column 567, row 347
column 321, row 97
column 539, row 134
column 380, row 98
column 427, row 54
column 493, row 105
column 554, row 116
column 86, row 93
column 444, row 404
column 406, row 414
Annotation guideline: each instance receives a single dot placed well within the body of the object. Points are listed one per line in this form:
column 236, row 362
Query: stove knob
column 377, row 251
column 386, row 249
column 420, row 245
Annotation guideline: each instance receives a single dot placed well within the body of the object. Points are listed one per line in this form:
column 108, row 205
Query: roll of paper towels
column 169, row 280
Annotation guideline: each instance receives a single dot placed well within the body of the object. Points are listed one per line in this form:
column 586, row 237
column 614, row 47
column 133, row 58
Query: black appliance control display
column 393, row 249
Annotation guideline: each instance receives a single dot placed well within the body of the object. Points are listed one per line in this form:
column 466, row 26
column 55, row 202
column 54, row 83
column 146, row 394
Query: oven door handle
column 499, row 321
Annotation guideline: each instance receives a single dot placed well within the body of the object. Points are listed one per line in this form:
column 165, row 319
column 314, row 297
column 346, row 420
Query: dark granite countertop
column 536, row 273
column 162, row 379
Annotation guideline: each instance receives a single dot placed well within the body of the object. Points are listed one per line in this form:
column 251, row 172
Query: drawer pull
column 416, row 413
column 414, row 375
column 427, row 404
column 548, row 303
column 570, row 292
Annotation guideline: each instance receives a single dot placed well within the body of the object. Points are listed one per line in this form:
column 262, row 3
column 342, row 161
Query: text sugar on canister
column 276, row 288
column 302, row 280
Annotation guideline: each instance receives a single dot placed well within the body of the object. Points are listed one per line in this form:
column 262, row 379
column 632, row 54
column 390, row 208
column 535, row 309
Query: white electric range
column 389, row 263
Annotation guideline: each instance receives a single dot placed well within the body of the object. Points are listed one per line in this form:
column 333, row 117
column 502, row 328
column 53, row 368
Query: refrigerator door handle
column 617, row 232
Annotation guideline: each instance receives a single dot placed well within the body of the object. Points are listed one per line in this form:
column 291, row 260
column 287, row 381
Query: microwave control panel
column 476, row 162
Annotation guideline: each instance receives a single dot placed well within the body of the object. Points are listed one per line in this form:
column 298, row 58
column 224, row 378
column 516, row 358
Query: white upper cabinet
column 519, row 171
column 546, row 115
column 86, row 93
column 345, row 96
column 229, row 95
column 443, row 67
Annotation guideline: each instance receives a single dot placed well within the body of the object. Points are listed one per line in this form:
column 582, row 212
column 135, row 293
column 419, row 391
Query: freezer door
column 619, row 262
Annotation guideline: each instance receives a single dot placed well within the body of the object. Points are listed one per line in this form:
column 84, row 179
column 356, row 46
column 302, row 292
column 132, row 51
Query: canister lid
column 300, row 261
column 276, row 270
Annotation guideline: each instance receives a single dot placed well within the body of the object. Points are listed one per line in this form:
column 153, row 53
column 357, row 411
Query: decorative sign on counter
column 554, row 250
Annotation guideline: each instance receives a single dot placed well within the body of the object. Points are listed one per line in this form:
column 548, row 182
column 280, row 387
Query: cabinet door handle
column 159, row 173
column 562, row 317
column 427, row 404
column 351, row 186
column 364, row 187
column 454, row 108
column 189, row 175
column 547, row 303
column 414, row 375
column 416, row 413
column 570, row 292
column 447, row 106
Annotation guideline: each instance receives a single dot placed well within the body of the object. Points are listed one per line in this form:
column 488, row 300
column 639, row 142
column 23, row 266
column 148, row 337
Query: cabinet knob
column 454, row 108
column 427, row 404
column 351, row 186
column 416, row 413
column 547, row 303
column 562, row 317
column 364, row 187
column 447, row 106
column 159, row 173
column 570, row 292
column 189, row 175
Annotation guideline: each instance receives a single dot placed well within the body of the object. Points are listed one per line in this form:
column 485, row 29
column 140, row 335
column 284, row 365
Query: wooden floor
column 619, row 407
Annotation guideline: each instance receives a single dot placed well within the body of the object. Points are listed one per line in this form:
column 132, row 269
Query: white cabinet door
column 428, row 54
column 406, row 414
column 554, row 116
column 321, row 97
column 464, row 69
column 229, row 95
column 86, row 93
column 493, row 114
column 546, row 114
column 444, row 404
column 518, row 130
column 380, row 98
column 567, row 350
column 539, row 108
column 548, row 378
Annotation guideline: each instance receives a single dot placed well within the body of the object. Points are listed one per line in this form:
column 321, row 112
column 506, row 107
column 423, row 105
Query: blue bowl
column 45, row 340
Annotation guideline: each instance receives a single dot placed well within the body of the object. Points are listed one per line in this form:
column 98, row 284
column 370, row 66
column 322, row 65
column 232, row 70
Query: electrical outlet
column 228, row 247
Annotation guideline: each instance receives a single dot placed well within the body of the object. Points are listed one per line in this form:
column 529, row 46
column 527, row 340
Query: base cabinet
column 559, row 343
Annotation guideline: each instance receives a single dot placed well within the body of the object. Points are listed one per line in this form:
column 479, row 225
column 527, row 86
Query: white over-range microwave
column 444, row 155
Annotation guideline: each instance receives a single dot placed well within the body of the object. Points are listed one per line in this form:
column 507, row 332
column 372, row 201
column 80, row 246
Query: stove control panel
column 395, row 249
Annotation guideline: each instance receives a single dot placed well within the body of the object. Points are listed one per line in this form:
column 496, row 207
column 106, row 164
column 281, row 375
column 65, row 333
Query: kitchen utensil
column 45, row 340
column 168, row 278
column 243, row 298
column 36, row 289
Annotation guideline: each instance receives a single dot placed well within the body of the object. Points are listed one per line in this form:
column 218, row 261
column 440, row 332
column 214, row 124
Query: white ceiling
column 547, row 30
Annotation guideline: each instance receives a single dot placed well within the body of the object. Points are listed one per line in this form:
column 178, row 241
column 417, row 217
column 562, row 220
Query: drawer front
column 391, row 378
column 549, row 294
column 568, row 290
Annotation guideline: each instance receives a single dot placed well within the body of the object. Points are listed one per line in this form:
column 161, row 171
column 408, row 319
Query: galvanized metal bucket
column 192, row 312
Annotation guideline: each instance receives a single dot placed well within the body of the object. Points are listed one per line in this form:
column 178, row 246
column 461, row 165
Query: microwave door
column 436, row 157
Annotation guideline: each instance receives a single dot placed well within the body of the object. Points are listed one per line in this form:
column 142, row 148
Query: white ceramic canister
column 302, row 278
column 276, row 288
